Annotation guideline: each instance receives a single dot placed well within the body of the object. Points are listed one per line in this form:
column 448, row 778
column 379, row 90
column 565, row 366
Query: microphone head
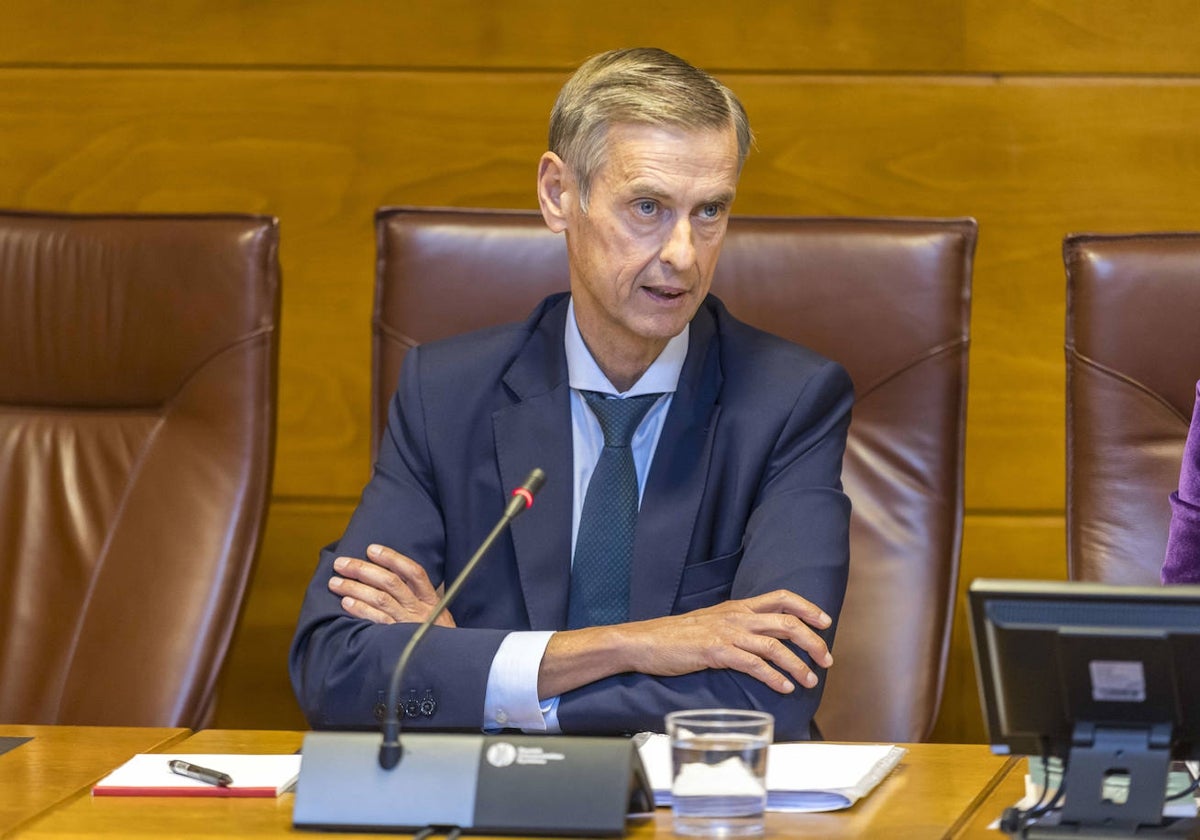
column 535, row 480
column 533, row 483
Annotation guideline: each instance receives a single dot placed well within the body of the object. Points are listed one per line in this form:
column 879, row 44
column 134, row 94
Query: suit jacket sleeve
column 340, row 665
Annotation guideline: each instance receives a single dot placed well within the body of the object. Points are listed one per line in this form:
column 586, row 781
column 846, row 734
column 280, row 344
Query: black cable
column 1016, row 821
column 1190, row 789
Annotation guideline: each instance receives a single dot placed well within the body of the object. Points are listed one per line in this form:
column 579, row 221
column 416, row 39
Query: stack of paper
column 149, row 774
column 806, row 776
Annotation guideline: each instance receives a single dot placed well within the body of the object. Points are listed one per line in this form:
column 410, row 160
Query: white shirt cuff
column 511, row 700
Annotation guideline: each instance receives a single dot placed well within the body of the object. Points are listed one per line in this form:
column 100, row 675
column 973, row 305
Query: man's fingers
column 789, row 603
column 386, row 580
column 364, row 601
column 771, row 651
column 775, row 626
column 806, row 639
column 755, row 666
column 360, row 609
column 375, row 599
column 408, row 570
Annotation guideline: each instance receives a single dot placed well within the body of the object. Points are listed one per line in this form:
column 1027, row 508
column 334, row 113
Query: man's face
column 642, row 257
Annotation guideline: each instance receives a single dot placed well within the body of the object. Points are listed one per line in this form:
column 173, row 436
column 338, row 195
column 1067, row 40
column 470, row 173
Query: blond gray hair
column 644, row 86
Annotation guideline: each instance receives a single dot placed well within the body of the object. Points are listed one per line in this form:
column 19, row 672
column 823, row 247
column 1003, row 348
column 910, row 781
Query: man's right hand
column 745, row 635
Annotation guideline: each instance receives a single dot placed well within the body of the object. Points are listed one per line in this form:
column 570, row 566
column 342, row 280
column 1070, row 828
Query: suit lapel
column 677, row 479
column 536, row 432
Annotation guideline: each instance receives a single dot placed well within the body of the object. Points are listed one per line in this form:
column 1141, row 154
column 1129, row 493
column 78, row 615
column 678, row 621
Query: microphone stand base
column 486, row 784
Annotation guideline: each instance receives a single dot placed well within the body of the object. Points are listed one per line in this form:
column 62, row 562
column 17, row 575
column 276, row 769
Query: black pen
column 203, row 774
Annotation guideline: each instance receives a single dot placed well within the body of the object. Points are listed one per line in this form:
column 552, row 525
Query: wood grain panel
column 321, row 151
column 939, row 36
column 1032, row 159
column 998, row 547
column 319, row 111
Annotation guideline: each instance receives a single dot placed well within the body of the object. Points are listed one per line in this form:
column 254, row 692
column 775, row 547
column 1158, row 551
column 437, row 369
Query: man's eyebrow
column 647, row 189
column 725, row 197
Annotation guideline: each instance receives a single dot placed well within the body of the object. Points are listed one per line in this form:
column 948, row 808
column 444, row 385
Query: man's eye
column 711, row 211
column 647, row 207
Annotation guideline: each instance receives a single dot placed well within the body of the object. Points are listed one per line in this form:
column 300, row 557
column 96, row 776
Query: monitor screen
column 1052, row 656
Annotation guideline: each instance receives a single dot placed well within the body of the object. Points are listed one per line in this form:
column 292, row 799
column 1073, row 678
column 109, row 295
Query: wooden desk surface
column 63, row 761
column 1008, row 789
column 931, row 794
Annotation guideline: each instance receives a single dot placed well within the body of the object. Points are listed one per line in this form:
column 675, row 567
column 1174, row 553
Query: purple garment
column 1182, row 563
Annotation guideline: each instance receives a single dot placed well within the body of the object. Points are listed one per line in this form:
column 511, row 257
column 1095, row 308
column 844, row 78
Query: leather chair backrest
column 1133, row 359
column 888, row 298
column 137, row 408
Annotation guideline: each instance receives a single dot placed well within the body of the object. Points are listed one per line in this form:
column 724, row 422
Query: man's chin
column 661, row 326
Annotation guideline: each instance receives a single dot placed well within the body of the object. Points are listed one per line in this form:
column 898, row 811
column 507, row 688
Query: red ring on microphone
column 526, row 495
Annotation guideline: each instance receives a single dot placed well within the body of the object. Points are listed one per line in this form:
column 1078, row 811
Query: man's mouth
column 662, row 293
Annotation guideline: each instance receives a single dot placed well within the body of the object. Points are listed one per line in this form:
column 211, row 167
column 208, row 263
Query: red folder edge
column 214, row 790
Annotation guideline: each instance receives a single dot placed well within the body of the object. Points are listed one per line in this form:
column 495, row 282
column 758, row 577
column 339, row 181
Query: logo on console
column 501, row 754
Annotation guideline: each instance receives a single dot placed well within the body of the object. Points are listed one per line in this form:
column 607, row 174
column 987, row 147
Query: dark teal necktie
column 604, row 544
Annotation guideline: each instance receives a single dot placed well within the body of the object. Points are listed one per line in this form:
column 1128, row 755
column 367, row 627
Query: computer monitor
column 1104, row 677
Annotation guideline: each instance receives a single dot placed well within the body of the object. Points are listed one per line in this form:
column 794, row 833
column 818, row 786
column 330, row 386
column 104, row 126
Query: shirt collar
column 585, row 375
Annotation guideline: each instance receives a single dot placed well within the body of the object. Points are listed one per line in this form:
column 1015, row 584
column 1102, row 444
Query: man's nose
column 679, row 251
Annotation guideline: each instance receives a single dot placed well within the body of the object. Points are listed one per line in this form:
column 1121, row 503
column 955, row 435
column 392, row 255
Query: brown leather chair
column 1133, row 358
column 889, row 298
column 137, row 409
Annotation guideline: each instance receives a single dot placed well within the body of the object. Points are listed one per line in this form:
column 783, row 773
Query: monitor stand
column 1097, row 753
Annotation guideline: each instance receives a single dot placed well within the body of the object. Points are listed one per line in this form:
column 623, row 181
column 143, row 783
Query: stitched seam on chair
column 232, row 574
column 395, row 335
column 942, row 642
column 102, row 559
column 927, row 355
column 139, row 464
column 1087, row 361
column 147, row 410
column 1073, row 561
column 150, row 406
column 249, row 337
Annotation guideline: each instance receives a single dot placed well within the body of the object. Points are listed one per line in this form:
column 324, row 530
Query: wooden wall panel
column 1030, row 158
column 1038, row 117
column 319, row 150
column 924, row 36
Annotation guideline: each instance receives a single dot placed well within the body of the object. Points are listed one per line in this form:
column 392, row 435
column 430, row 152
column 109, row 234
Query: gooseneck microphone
column 390, row 751
column 508, row 783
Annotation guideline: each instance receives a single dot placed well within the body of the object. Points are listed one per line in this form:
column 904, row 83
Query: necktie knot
column 619, row 418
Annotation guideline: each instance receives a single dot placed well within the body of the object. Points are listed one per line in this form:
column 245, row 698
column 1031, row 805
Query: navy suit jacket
column 743, row 497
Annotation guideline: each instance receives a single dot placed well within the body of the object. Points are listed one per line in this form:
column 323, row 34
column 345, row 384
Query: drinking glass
column 719, row 770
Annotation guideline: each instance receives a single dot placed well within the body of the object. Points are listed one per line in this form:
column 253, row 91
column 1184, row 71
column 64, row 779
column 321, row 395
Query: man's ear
column 553, row 191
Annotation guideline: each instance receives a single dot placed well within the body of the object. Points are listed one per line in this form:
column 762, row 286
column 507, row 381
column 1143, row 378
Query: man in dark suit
column 724, row 589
